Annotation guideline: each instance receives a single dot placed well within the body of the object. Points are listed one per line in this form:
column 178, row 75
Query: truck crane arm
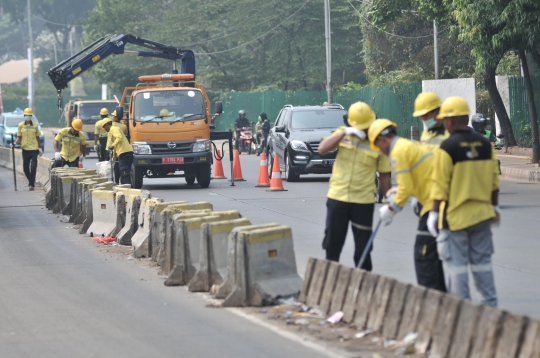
column 74, row 66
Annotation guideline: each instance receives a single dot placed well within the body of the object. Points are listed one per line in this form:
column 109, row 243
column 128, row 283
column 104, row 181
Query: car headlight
column 298, row 145
column 141, row 148
column 201, row 146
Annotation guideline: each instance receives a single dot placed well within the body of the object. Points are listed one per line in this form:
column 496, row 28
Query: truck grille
column 163, row 148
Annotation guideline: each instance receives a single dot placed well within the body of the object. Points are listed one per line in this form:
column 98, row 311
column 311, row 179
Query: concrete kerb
column 79, row 213
column 213, row 254
column 187, row 248
column 265, row 268
column 88, row 216
column 75, row 198
column 229, row 280
column 132, row 213
column 103, row 213
column 140, row 240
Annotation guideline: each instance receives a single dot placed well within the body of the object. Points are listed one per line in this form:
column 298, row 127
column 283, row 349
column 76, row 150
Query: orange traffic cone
column 264, row 181
column 275, row 183
column 218, row 169
column 237, row 168
column 80, row 164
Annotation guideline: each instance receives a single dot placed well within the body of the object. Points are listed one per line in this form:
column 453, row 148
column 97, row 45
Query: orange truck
column 169, row 116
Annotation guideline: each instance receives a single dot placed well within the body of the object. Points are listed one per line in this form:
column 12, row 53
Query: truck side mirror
column 219, row 107
column 119, row 112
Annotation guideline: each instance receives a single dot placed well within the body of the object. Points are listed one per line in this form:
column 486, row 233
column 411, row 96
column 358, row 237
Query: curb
column 532, row 176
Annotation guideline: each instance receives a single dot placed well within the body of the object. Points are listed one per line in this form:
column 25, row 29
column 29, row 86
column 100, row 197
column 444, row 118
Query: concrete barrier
column 72, row 208
column 188, row 234
column 78, row 213
column 213, row 254
column 265, row 268
column 140, row 239
column 132, row 213
column 103, row 213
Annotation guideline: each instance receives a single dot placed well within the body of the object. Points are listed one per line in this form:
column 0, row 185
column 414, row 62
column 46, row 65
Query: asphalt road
column 62, row 296
column 302, row 207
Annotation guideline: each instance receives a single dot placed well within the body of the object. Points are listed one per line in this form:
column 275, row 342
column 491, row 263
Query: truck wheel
column 190, row 180
column 136, row 177
column 204, row 175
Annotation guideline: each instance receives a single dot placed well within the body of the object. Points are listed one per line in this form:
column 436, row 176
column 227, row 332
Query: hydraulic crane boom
column 74, row 66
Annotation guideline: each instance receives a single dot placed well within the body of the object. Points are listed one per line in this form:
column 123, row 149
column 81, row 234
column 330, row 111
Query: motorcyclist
column 241, row 122
column 479, row 124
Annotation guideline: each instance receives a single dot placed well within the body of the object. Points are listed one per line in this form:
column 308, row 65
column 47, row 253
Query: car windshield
column 89, row 112
column 317, row 119
column 14, row 120
column 169, row 106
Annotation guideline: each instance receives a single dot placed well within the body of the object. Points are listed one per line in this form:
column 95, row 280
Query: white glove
column 414, row 206
column 432, row 220
column 496, row 221
column 40, row 152
column 81, row 158
column 57, row 156
column 96, row 148
column 386, row 214
column 355, row 131
column 391, row 193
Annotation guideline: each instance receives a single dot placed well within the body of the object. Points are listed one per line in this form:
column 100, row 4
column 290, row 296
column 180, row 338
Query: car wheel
column 290, row 175
column 269, row 162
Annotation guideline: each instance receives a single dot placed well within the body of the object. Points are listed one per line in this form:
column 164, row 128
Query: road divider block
column 103, row 213
column 132, row 213
column 140, row 239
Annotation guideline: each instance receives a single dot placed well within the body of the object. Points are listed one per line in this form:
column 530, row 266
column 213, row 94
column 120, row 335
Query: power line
column 389, row 33
column 255, row 39
column 54, row 23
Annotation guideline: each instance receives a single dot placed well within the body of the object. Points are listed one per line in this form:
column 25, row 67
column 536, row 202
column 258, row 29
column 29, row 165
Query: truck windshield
column 169, row 106
column 317, row 119
column 89, row 112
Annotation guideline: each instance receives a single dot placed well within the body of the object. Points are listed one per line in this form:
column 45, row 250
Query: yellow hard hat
column 377, row 129
column 113, row 113
column 454, row 107
column 28, row 112
column 108, row 120
column 360, row 115
column 164, row 113
column 104, row 112
column 425, row 103
column 77, row 124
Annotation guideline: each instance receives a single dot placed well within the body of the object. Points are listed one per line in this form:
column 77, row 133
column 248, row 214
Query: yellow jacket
column 354, row 171
column 432, row 138
column 412, row 165
column 465, row 174
column 119, row 125
column 119, row 141
column 98, row 130
column 71, row 145
column 29, row 135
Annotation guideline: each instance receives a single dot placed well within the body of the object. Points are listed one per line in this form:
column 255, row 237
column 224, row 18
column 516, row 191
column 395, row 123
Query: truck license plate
column 174, row 160
column 328, row 161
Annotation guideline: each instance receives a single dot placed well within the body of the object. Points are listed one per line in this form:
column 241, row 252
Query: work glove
column 81, row 158
column 390, row 194
column 40, row 152
column 496, row 221
column 355, row 131
column 12, row 145
column 414, row 205
column 432, row 220
column 386, row 214
column 96, row 147
column 57, row 156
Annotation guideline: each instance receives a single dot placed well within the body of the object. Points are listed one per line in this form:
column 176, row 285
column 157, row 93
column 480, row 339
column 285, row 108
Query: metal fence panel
column 519, row 107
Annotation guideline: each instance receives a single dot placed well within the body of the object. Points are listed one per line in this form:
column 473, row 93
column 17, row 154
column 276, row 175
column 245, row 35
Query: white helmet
column 241, row 111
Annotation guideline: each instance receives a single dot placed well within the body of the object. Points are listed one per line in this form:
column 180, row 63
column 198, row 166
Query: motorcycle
column 245, row 140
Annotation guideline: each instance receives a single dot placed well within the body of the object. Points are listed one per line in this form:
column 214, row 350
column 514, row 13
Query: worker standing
column 351, row 197
column 101, row 135
column 121, row 149
column 116, row 123
column 73, row 142
column 427, row 106
column 412, row 165
column 465, row 204
column 28, row 136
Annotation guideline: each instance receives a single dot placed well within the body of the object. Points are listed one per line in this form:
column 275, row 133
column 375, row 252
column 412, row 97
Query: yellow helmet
column 104, row 112
column 454, row 107
column 164, row 113
column 360, row 115
column 425, row 103
column 28, row 112
column 377, row 129
column 113, row 113
column 77, row 124
column 106, row 121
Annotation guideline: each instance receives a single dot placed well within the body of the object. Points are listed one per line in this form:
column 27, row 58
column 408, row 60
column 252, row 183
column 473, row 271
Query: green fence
column 395, row 103
column 519, row 107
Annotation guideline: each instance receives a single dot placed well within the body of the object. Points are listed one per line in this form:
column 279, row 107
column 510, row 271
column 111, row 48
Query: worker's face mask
column 429, row 123
column 28, row 119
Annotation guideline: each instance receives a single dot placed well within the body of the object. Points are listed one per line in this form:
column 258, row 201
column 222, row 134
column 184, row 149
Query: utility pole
column 55, row 55
column 436, row 48
column 328, row 50
column 30, row 60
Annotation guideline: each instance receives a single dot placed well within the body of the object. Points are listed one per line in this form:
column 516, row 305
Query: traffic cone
column 264, row 181
column 275, row 183
column 218, row 169
column 80, row 164
column 237, row 168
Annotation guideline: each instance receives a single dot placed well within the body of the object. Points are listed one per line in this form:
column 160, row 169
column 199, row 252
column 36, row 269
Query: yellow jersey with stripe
column 412, row 165
column 354, row 172
column 465, row 174
column 98, row 130
column 433, row 137
column 71, row 144
column 29, row 134
column 119, row 141
column 119, row 125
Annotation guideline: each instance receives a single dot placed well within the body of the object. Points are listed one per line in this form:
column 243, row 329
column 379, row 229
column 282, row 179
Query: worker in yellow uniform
column 101, row 135
column 121, row 149
column 351, row 197
column 73, row 142
column 412, row 165
column 427, row 106
column 465, row 203
column 28, row 137
column 116, row 123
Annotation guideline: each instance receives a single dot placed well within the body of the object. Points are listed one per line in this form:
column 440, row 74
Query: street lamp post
column 328, row 50
column 30, row 60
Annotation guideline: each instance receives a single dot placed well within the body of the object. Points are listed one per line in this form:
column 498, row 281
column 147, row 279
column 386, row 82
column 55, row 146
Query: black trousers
column 30, row 165
column 125, row 161
column 429, row 270
column 116, row 169
column 338, row 216
column 103, row 153
column 62, row 163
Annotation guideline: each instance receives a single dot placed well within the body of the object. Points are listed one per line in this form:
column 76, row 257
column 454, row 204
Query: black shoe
column 31, row 188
